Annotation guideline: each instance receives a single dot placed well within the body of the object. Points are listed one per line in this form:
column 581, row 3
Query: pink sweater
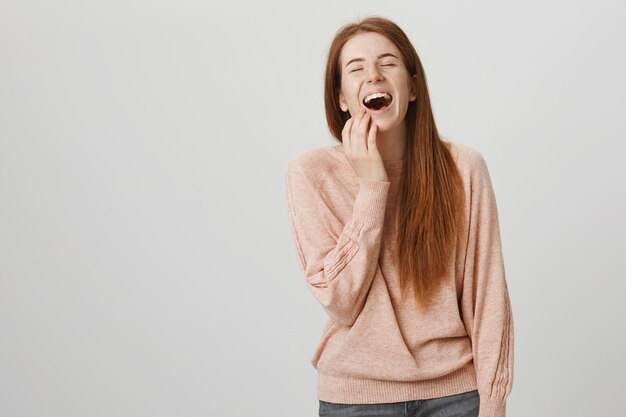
column 376, row 348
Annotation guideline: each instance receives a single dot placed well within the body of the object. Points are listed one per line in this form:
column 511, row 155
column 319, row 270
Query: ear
column 412, row 92
column 342, row 102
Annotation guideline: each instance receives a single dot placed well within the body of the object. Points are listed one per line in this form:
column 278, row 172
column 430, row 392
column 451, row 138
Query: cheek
column 350, row 91
column 352, row 95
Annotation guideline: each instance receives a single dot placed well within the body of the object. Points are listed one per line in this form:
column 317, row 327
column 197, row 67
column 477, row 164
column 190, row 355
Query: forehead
column 366, row 45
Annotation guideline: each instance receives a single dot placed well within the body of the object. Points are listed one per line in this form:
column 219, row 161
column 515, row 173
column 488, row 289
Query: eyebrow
column 379, row 57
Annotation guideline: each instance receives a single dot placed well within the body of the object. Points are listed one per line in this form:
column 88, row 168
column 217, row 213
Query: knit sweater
column 376, row 347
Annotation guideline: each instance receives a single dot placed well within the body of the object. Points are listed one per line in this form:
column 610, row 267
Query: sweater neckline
column 389, row 164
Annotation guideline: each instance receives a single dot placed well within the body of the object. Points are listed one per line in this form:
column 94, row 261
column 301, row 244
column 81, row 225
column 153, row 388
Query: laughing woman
column 397, row 235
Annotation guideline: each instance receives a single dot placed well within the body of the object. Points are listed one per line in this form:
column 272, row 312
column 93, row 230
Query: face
column 366, row 68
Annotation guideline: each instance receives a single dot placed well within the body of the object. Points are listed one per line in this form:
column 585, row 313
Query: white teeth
column 376, row 95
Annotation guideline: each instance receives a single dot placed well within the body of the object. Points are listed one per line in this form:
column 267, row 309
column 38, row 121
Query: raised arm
column 339, row 272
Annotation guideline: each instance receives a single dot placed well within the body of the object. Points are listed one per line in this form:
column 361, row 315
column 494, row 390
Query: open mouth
column 377, row 101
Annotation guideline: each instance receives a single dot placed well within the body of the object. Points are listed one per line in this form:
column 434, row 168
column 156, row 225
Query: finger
column 357, row 121
column 347, row 127
column 345, row 135
column 351, row 133
column 361, row 134
column 371, row 138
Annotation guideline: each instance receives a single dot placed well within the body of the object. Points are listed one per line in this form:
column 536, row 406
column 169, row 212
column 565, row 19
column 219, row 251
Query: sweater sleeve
column 338, row 270
column 485, row 304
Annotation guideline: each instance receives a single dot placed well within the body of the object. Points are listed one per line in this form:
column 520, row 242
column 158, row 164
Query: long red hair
column 430, row 194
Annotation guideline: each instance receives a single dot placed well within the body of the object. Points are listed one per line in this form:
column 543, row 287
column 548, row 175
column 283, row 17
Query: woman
column 394, row 208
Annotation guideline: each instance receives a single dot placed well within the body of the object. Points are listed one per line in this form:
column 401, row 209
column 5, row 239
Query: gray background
column 146, row 265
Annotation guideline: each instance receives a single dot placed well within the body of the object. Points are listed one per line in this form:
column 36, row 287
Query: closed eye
column 385, row 65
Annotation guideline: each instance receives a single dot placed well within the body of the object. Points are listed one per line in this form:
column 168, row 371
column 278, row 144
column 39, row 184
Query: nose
column 374, row 74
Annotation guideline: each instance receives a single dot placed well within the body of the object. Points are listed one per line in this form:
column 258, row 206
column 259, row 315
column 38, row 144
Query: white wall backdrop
column 146, row 265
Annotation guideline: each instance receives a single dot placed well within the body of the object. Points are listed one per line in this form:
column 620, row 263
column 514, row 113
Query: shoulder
column 312, row 165
column 469, row 159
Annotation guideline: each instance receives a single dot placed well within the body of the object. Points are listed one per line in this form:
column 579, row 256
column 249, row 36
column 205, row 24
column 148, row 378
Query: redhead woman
column 397, row 235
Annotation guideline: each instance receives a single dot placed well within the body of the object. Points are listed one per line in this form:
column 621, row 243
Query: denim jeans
column 465, row 404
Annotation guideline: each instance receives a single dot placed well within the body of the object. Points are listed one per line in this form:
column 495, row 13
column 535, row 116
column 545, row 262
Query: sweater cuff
column 371, row 201
column 491, row 408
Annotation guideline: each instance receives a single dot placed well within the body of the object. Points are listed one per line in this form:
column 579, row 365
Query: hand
column 359, row 147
